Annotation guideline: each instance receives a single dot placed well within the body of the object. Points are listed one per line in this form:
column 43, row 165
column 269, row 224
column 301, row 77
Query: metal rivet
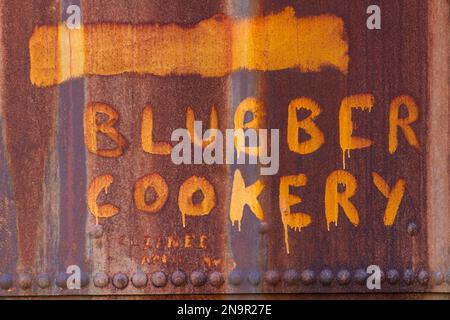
column 308, row 277
column 412, row 229
column 438, row 278
column 326, row 277
column 6, row 281
column 97, row 231
column 343, row 277
column 254, row 278
column 291, row 277
column 61, row 280
column 423, row 277
column 43, row 280
column 139, row 279
column 235, row 277
column 178, row 278
column 393, row 276
column 360, row 276
column 159, row 279
column 198, row 278
column 25, row 281
column 264, row 227
column 272, row 277
column 101, row 280
column 408, row 277
column 120, row 280
column 216, row 279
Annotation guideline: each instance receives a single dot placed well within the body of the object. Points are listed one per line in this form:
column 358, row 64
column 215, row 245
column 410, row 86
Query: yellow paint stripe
column 212, row 48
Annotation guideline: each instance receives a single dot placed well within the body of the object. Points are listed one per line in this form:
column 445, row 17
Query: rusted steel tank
column 88, row 181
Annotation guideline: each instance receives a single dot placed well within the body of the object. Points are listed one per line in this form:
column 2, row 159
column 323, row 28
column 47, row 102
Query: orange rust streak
column 214, row 47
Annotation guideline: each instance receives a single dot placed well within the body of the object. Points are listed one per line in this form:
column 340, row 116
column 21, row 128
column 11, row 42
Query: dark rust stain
column 72, row 169
column 29, row 116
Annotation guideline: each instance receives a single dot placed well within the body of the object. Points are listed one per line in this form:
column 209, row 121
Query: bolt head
column 6, row 281
column 178, row 278
column 61, row 280
column 409, row 277
column 198, row 278
column 101, row 280
column 438, row 278
column 326, row 277
column 308, row 277
column 291, row 277
column 235, row 277
column 43, row 280
column 120, row 280
column 139, row 279
column 343, row 277
column 393, row 276
column 360, row 277
column 412, row 229
column 272, row 277
column 159, row 279
column 423, row 277
column 25, row 281
column 254, row 278
column 216, row 279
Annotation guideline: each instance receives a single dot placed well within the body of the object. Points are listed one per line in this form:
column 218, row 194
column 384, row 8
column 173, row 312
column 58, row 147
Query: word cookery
column 340, row 185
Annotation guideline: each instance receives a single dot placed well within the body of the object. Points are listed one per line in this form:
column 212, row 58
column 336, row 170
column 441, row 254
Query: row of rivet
column 160, row 279
column 216, row 279
column 42, row 280
column 343, row 277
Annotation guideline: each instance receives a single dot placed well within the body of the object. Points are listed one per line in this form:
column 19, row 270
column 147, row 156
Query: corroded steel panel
column 87, row 177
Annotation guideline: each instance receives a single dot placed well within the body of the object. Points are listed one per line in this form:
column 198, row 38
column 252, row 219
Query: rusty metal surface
column 46, row 168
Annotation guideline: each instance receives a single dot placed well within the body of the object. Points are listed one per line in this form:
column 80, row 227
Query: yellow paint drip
column 293, row 220
column 95, row 188
column 347, row 141
column 242, row 195
column 335, row 199
column 212, row 48
column 185, row 201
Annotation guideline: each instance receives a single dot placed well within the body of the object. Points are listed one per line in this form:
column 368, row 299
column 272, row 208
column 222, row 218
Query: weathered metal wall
column 46, row 169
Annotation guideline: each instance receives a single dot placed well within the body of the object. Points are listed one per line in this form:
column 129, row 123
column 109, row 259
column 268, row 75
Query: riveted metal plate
column 48, row 166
